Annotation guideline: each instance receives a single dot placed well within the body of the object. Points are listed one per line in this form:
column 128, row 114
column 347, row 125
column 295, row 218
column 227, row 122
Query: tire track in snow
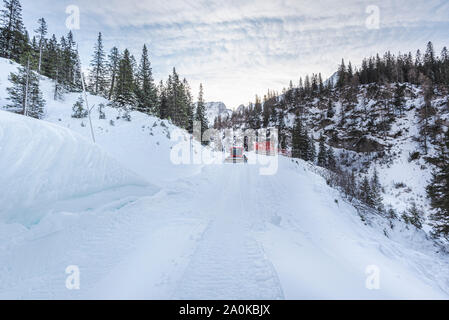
column 228, row 262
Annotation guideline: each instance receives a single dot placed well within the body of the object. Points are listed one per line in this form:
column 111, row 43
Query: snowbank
column 42, row 163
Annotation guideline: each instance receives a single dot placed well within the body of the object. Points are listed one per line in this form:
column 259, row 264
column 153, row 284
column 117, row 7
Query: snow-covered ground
column 146, row 228
column 44, row 164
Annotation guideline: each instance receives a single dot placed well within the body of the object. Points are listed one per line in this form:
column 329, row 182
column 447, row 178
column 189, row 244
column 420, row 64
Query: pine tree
column 425, row 112
column 24, row 94
column 172, row 90
column 341, row 75
column 444, row 57
column 330, row 110
column 97, row 76
column 50, row 63
column 124, row 92
column 162, row 101
column 311, row 154
column 331, row 162
column 70, row 73
column 414, row 216
column 78, row 109
column 41, row 33
column 190, row 106
column 145, row 90
column 12, row 37
column 376, row 191
column 281, row 131
column 201, row 114
column 297, row 139
column 52, row 68
column 399, row 99
column 304, row 142
column 365, row 194
column 430, row 62
column 113, row 65
column 36, row 103
column 322, row 153
column 438, row 190
column 33, row 53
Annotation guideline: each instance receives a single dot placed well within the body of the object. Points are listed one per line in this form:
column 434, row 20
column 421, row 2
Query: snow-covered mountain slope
column 143, row 144
column 361, row 145
column 332, row 80
column 42, row 163
column 139, row 145
column 215, row 109
column 368, row 132
column 206, row 231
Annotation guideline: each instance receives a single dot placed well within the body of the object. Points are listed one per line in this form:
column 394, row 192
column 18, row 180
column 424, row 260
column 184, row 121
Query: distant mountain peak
column 215, row 109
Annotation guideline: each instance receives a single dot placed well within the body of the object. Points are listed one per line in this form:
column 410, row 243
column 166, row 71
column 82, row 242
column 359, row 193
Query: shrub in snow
column 101, row 113
column 414, row 216
column 400, row 185
column 414, row 156
column 126, row 116
column 78, row 109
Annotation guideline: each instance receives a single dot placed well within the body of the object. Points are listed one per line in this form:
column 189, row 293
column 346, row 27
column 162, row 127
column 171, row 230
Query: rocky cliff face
column 215, row 109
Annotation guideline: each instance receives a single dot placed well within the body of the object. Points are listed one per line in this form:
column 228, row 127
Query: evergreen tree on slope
column 41, row 33
column 322, row 153
column 12, row 32
column 146, row 92
column 297, row 139
column 438, row 190
column 200, row 115
column 24, row 94
column 376, row 191
column 124, row 91
column 97, row 76
column 113, row 65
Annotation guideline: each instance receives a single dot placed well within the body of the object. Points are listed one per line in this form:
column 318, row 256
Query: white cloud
column 239, row 48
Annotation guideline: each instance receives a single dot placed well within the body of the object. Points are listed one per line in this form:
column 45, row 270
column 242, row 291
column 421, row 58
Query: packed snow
column 139, row 226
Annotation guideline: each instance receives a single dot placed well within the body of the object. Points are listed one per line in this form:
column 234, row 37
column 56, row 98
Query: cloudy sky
column 239, row 48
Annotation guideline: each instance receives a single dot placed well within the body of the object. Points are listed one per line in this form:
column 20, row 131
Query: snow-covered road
column 139, row 226
column 229, row 262
column 210, row 252
column 226, row 233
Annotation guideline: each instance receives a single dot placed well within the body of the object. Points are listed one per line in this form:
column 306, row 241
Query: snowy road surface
column 228, row 233
column 138, row 226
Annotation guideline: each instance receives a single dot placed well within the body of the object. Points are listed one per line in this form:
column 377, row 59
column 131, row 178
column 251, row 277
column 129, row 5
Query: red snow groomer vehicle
column 237, row 156
column 265, row 147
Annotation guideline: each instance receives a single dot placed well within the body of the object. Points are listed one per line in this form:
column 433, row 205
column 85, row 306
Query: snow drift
column 42, row 163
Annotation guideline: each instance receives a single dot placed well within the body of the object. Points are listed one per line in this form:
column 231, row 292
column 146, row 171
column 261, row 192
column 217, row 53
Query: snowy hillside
column 145, row 135
column 368, row 133
column 365, row 149
column 147, row 228
column 215, row 109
